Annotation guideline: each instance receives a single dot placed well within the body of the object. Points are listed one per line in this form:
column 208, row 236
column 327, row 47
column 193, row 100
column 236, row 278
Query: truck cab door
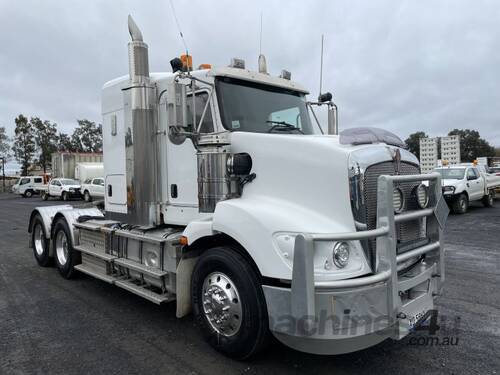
column 182, row 174
column 476, row 184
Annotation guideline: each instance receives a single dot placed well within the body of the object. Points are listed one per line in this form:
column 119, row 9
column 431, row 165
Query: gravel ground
column 49, row 325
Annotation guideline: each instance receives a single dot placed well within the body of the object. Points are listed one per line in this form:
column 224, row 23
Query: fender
column 254, row 224
column 50, row 213
column 71, row 216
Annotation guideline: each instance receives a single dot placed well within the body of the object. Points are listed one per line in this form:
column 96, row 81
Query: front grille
column 408, row 232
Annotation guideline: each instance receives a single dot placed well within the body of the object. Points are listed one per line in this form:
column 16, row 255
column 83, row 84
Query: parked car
column 27, row 186
column 495, row 170
column 64, row 188
column 93, row 188
column 463, row 184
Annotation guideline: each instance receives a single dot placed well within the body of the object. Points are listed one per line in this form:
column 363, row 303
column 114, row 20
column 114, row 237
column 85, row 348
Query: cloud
column 403, row 66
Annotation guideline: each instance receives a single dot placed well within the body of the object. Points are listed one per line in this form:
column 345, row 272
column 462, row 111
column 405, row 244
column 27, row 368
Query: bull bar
column 305, row 293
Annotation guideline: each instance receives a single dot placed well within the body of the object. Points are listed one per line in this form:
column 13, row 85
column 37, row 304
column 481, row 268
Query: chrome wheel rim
column 222, row 304
column 463, row 204
column 62, row 248
column 39, row 240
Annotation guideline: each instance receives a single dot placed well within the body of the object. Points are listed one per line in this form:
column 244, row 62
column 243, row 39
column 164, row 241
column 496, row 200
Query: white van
column 28, row 185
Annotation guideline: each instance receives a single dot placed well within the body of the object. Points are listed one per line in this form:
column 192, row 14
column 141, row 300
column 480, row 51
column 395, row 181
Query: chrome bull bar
column 304, row 286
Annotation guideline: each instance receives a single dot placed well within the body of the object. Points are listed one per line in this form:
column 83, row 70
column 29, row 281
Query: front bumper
column 348, row 315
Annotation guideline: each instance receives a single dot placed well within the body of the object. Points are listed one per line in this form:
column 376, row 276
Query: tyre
column 86, row 196
column 45, row 195
column 40, row 243
column 28, row 193
column 229, row 303
column 64, row 196
column 461, row 204
column 489, row 199
column 65, row 256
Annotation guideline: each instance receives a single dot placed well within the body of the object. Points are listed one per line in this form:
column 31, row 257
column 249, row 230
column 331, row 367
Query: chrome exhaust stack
column 140, row 111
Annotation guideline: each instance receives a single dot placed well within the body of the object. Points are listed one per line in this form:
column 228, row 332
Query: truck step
column 151, row 271
column 95, row 273
column 95, row 253
column 143, row 292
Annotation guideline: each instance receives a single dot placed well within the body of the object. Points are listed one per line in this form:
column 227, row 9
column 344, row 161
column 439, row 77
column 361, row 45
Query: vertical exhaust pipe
column 140, row 116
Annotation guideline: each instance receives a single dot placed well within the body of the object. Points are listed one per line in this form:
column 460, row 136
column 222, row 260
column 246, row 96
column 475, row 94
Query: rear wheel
column 489, row 199
column 45, row 195
column 40, row 243
column 64, row 196
column 65, row 256
column 86, row 196
column 461, row 204
column 229, row 303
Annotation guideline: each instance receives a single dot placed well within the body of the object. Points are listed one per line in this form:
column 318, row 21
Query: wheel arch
column 207, row 242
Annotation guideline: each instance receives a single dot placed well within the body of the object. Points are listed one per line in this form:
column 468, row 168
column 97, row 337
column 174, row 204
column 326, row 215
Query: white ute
column 27, row 186
column 463, row 184
column 63, row 188
column 93, row 188
column 223, row 194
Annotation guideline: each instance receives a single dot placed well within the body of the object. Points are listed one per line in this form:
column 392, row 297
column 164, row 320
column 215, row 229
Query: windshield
column 451, row 173
column 68, row 181
column 254, row 107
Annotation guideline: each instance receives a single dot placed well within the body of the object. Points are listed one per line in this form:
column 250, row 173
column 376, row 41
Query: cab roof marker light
column 237, row 63
column 285, row 74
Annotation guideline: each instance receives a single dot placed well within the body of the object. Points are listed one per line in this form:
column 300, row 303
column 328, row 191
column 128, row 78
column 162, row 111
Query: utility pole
column 3, row 173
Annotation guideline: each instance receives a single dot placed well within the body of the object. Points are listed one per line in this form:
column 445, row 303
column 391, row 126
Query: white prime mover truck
column 223, row 194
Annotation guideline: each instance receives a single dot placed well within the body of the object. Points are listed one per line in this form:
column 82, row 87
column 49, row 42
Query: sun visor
column 365, row 135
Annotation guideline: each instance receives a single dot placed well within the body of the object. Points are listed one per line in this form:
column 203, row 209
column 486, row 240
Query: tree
column 24, row 143
column 472, row 145
column 46, row 140
column 4, row 143
column 64, row 143
column 87, row 137
column 413, row 143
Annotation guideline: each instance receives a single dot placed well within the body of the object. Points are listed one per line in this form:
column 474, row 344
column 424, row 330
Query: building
column 428, row 154
column 450, row 149
column 64, row 163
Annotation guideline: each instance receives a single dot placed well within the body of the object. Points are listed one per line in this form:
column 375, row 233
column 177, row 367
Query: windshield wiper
column 283, row 126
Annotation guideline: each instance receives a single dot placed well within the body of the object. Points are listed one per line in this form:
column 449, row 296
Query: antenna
column 321, row 67
column 179, row 27
column 260, row 40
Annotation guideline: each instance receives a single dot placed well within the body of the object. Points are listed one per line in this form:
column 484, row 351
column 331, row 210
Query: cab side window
column 471, row 175
column 201, row 99
column 25, row 181
column 38, row 180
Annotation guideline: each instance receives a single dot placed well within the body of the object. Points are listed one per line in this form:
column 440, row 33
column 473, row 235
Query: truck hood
column 306, row 171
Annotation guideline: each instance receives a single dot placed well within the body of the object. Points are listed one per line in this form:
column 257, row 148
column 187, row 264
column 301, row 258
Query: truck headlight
column 398, row 200
column 341, row 254
column 151, row 259
column 421, row 192
column 71, row 190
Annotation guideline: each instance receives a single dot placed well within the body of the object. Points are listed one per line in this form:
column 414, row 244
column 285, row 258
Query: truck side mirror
column 176, row 112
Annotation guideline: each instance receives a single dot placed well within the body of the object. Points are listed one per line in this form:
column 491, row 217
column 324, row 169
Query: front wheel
column 28, row 193
column 65, row 256
column 489, row 199
column 229, row 303
column 86, row 196
column 461, row 204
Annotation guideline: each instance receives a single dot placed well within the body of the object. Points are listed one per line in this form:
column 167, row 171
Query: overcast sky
column 400, row 65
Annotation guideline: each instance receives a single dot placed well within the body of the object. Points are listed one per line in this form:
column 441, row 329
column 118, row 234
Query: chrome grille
column 408, row 232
